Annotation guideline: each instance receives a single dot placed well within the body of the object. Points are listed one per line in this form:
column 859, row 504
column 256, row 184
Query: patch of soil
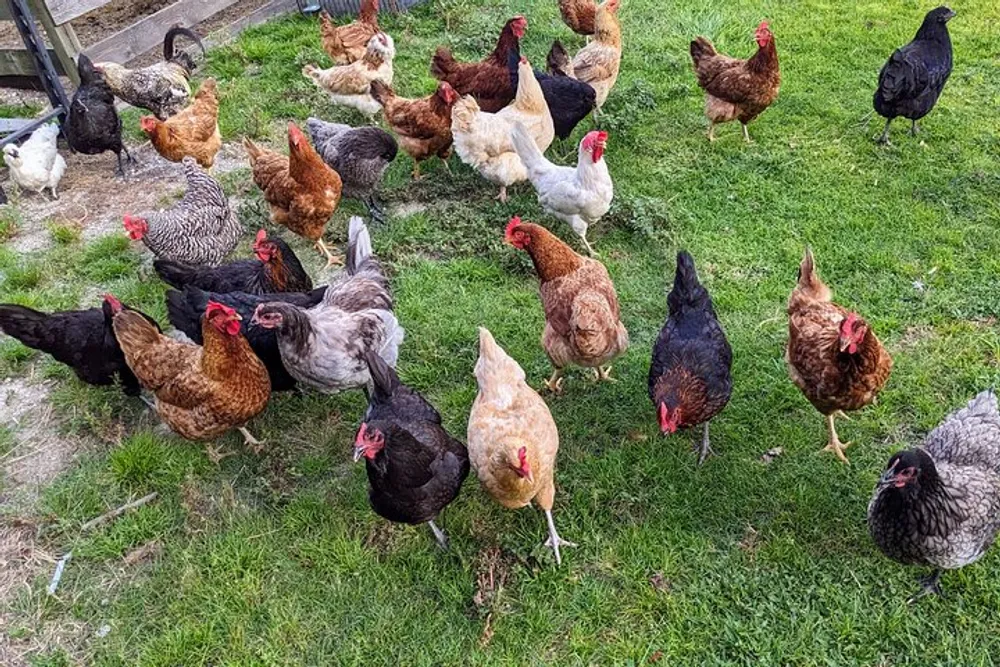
column 112, row 17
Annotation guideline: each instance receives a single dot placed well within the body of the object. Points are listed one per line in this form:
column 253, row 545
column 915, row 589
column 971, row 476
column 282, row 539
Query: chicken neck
column 552, row 258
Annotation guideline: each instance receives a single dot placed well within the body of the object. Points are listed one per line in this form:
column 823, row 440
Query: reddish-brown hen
column 422, row 125
column 193, row 131
column 347, row 43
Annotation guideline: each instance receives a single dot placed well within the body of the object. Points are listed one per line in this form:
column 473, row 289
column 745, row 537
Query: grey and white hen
column 939, row 505
column 359, row 155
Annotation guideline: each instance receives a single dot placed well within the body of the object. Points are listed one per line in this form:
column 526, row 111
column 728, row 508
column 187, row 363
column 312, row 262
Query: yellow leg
column 603, row 374
column 554, row 383
column 711, row 131
column 746, row 134
column 416, row 170
column 835, row 445
column 331, row 259
column 216, row 454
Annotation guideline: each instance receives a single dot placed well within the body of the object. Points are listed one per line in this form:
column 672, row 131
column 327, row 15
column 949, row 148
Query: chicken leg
column 914, row 129
column 256, row 445
column 331, row 259
column 884, row 138
column 603, row 373
column 706, row 446
column 554, row 541
column 929, row 585
column 216, row 454
column 746, row 134
column 835, row 445
column 711, row 131
column 375, row 211
column 439, row 535
column 554, row 383
column 503, row 194
column 416, row 170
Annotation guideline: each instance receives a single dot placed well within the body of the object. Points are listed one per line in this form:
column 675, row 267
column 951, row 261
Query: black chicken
column 359, row 155
column 912, row 80
column 276, row 269
column 558, row 62
column 569, row 100
column 81, row 339
column 185, row 308
column 689, row 379
column 92, row 125
column 415, row 468
column 939, row 505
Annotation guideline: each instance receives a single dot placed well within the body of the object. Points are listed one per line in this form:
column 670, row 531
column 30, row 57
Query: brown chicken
column 833, row 355
column 422, row 125
column 599, row 62
column 737, row 89
column 193, row 131
column 487, row 81
column 582, row 324
column 302, row 191
column 345, row 44
column 580, row 15
column 512, row 438
column 201, row 391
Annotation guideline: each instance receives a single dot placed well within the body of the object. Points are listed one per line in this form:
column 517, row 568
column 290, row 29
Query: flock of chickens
column 259, row 325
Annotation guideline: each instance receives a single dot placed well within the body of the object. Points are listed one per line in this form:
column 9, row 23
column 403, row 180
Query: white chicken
column 36, row 164
column 579, row 195
column 350, row 85
column 483, row 141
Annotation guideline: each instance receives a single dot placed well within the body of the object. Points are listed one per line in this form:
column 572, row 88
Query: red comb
column 116, row 305
column 514, row 222
column 261, row 236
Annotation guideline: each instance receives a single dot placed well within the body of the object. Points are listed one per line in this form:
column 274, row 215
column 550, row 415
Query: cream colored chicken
column 598, row 62
column 350, row 85
column 512, row 438
column 483, row 140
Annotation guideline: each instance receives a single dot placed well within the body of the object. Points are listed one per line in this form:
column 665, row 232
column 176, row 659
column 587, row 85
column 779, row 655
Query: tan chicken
column 350, row 85
column 512, row 438
column 582, row 319
column 598, row 62
column 192, row 131
column 302, row 191
column 580, row 15
column 345, row 44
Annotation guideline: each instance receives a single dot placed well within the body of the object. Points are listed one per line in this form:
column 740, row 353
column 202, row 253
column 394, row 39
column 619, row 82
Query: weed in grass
column 10, row 221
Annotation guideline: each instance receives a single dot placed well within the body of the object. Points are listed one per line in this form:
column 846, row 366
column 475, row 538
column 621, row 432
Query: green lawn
column 278, row 560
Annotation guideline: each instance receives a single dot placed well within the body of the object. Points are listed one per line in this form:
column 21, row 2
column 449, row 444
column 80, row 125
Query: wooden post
column 63, row 39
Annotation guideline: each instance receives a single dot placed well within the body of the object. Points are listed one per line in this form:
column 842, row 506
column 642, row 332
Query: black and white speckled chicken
column 92, row 124
column 199, row 229
column 939, row 505
column 164, row 87
column 360, row 155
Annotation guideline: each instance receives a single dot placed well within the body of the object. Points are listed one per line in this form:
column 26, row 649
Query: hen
column 512, row 438
column 300, row 189
column 483, row 139
column 833, row 355
column 939, row 505
column 193, row 131
column 737, row 89
column 579, row 195
column 92, row 124
column 324, row 347
column 558, row 62
column 347, row 43
column 598, row 62
column 201, row 391
column 164, row 87
column 487, row 81
column 81, row 339
column 199, row 229
column 36, row 164
column 276, row 269
column 415, row 468
column 350, row 85
column 689, row 377
column 184, row 311
column 569, row 101
column 359, row 155
column 912, row 80
column 582, row 319
column 423, row 125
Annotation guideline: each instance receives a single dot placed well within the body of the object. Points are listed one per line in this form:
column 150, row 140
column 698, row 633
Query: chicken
column 582, row 318
column 911, row 82
column 415, row 468
column 939, row 505
column 201, row 391
column 737, row 89
column 199, row 229
column 300, row 189
column 579, row 195
column 483, row 139
column 92, row 124
column 423, row 125
column 36, row 164
column 185, row 308
column 359, row 155
column 512, row 438
column 275, row 269
column 193, row 131
column 558, row 62
column 689, row 376
column 81, row 339
column 324, row 347
column 598, row 62
column 164, row 87
column 487, row 81
column 350, row 85
column 347, row 43
column 833, row 355
column 569, row 101
column 580, row 15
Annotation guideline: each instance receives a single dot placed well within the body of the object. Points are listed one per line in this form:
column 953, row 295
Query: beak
column 950, row 15
column 530, row 477
column 888, row 477
column 358, row 453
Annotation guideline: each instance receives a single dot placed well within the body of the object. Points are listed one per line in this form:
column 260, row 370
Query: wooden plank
column 257, row 16
column 63, row 11
column 63, row 40
column 147, row 33
column 18, row 62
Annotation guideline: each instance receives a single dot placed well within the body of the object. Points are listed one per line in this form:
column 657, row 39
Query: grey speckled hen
column 939, row 505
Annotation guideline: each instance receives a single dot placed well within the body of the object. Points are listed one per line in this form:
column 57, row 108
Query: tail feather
column 176, row 274
column 442, row 64
column 184, row 311
column 134, row 331
column 688, row 290
column 171, row 35
column 359, row 245
column 25, row 324
column 558, row 61
column 701, row 48
column 382, row 92
column 384, row 378
column 493, row 359
column 526, row 148
column 394, row 334
column 253, row 150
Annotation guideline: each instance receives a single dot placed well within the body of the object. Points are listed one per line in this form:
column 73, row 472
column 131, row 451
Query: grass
column 278, row 559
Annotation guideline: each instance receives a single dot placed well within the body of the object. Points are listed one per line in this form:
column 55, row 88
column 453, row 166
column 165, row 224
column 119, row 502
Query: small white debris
column 103, row 631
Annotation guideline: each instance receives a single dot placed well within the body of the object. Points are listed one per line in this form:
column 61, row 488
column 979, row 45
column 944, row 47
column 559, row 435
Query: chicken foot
column 884, row 138
column 439, row 535
column 503, row 194
column 586, row 243
column 711, row 131
column 256, row 445
column 121, row 168
column 216, row 454
column 929, row 585
column 914, row 129
column 746, row 134
column 706, row 446
column 554, row 383
column 835, row 445
column 376, row 212
column 331, row 259
column 603, row 373
column 554, row 541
